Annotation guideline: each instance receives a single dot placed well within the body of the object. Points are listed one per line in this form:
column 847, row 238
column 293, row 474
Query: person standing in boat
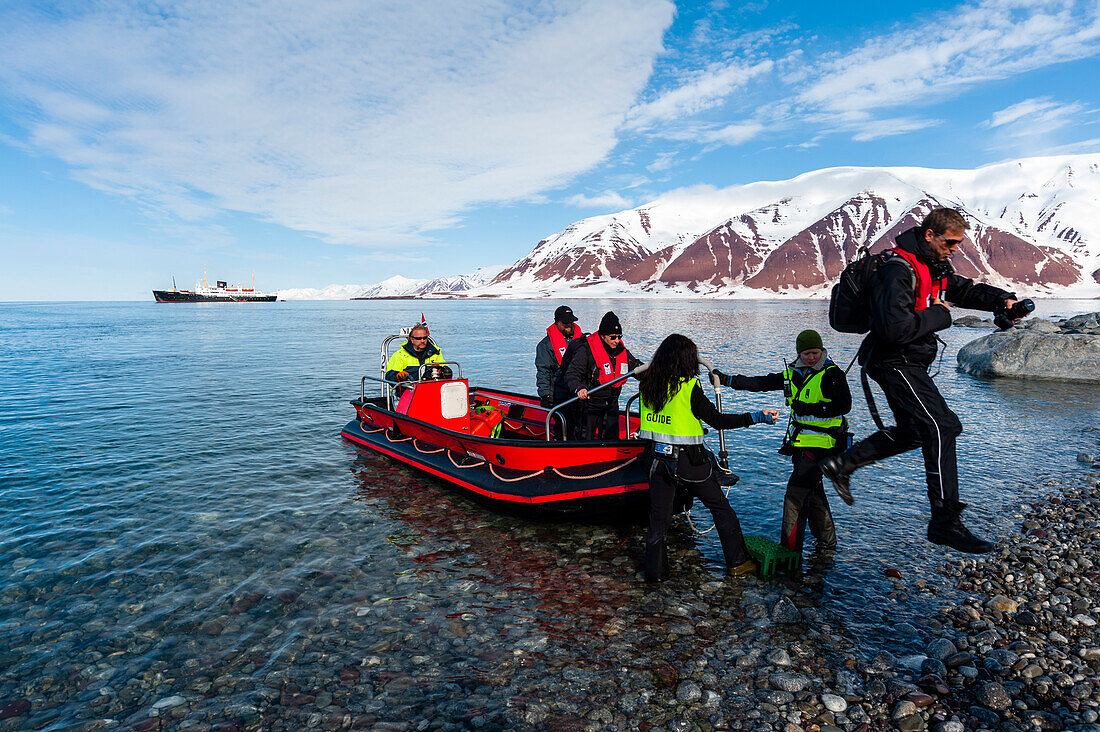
column 818, row 396
column 673, row 409
column 551, row 349
column 599, row 358
column 419, row 349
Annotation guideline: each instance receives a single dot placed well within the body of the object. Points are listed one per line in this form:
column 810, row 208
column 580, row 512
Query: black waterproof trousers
column 805, row 502
column 601, row 423
column 663, row 481
column 923, row 420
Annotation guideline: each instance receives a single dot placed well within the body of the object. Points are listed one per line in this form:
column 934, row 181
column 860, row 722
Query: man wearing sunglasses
column 419, row 349
column 598, row 359
column 908, row 305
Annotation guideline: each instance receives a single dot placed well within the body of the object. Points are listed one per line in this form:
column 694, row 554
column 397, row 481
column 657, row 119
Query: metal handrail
column 723, row 454
column 638, row 371
column 626, row 410
column 363, row 386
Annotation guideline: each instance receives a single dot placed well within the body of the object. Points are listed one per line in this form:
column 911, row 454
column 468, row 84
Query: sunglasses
column 418, row 338
column 614, row 337
column 950, row 242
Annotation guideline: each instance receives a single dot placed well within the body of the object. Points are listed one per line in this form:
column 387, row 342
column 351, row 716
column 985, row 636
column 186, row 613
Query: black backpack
column 848, row 304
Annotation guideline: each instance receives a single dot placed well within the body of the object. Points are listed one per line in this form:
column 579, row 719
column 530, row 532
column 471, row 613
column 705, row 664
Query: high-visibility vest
column 606, row 370
column 928, row 289
column 811, row 393
column 675, row 424
column 558, row 342
column 402, row 360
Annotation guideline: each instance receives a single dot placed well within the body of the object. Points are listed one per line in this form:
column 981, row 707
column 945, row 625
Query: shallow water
column 180, row 515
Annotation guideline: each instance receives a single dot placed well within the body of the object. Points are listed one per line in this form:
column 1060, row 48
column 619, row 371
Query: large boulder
column 1039, row 349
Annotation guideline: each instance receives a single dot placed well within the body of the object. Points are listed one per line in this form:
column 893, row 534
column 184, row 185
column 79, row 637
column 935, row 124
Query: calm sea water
column 159, row 463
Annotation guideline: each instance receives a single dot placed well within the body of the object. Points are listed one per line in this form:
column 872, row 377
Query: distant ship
column 203, row 292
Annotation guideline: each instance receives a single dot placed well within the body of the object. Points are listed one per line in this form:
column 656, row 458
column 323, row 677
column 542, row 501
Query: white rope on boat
column 514, row 480
column 596, row 475
column 712, row 526
column 428, row 452
column 405, row 439
column 475, row 465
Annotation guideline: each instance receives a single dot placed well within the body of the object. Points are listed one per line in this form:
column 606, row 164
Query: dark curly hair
column 676, row 358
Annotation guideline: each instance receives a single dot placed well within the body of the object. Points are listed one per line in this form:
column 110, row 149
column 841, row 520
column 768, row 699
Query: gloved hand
column 764, row 415
column 546, row 402
column 723, row 379
column 801, row 408
column 402, row 376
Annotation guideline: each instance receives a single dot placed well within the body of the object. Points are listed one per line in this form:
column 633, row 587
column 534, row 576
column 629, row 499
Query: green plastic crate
column 772, row 557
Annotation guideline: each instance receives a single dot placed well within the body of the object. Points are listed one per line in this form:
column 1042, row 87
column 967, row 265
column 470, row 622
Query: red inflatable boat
column 499, row 445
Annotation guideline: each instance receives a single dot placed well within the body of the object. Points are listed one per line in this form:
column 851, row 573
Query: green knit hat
column 806, row 340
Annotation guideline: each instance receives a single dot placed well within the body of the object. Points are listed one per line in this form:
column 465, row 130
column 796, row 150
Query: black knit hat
column 609, row 324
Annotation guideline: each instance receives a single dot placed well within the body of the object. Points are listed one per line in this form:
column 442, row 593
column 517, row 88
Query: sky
column 346, row 141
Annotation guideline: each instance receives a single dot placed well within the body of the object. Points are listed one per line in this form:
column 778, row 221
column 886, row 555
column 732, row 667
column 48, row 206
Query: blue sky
column 343, row 141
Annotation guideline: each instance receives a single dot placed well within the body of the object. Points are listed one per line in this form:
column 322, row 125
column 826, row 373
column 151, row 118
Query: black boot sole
column 840, row 484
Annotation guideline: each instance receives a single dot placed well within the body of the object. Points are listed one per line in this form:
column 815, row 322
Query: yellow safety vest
column 810, row 393
column 402, row 360
column 675, row 424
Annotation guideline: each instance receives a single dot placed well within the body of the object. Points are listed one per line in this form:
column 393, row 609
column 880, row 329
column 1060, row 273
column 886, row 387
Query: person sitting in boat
column 406, row 362
column 551, row 349
column 673, row 409
column 600, row 358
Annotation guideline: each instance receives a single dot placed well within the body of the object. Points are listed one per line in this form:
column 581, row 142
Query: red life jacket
column 928, row 289
column 606, row 370
column 557, row 340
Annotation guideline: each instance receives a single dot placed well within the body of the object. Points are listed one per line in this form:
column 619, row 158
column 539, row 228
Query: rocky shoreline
column 576, row 641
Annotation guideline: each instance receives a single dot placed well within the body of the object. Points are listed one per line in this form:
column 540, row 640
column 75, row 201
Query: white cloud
column 607, row 200
column 733, row 134
column 873, row 129
column 941, row 54
column 705, row 90
column 663, row 161
column 366, row 124
column 1034, row 116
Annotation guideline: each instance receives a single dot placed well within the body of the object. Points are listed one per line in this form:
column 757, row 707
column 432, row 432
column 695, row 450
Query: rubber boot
column 947, row 529
column 656, row 563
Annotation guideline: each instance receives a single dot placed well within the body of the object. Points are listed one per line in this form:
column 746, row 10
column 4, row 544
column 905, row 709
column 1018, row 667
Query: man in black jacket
column 818, row 396
column 907, row 305
column 550, row 352
column 598, row 359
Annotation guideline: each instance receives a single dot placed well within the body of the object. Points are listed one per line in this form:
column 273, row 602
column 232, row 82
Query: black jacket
column 704, row 409
column 547, row 368
column 902, row 336
column 834, row 387
column 580, row 373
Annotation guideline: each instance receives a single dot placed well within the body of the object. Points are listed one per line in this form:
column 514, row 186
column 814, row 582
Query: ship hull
column 183, row 296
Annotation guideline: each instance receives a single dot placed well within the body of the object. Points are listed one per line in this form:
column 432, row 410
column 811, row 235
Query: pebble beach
column 584, row 644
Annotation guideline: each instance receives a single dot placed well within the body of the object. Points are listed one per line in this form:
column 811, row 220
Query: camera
column 1003, row 318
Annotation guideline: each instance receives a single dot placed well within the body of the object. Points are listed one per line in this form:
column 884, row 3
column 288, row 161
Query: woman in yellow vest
column 673, row 409
column 818, row 396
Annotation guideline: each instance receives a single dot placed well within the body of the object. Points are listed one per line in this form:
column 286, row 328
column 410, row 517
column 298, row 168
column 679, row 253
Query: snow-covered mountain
column 1034, row 228
column 397, row 286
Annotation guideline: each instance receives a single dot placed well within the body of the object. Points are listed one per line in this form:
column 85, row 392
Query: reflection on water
column 179, row 515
